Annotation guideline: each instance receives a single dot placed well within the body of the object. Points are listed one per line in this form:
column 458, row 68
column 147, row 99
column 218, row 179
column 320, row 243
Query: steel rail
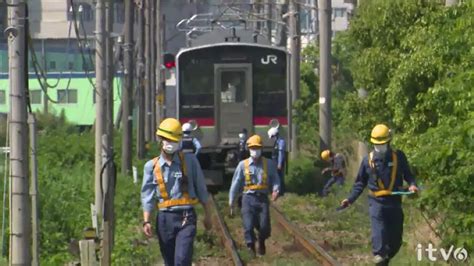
column 226, row 238
column 310, row 246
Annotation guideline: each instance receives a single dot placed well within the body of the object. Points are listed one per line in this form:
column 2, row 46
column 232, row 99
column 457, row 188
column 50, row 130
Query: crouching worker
column 176, row 181
column 383, row 172
column 255, row 177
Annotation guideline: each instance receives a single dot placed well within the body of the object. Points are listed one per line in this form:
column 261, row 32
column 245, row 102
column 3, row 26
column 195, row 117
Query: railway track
column 288, row 243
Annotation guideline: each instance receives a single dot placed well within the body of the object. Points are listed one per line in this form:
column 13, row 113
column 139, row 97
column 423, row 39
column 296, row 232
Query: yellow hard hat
column 254, row 141
column 380, row 134
column 325, row 155
column 170, row 128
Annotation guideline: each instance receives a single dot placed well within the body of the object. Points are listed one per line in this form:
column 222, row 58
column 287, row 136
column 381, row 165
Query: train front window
column 232, row 86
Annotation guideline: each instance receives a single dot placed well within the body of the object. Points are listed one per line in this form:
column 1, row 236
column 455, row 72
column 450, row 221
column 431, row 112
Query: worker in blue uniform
column 174, row 183
column 383, row 172
column 278, row 155
column 189, row 144
column 255, row 177
column 337, row 169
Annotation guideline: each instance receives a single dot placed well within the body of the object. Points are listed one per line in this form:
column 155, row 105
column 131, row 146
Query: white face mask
column 380, row 148
column 170, row 147
column 255, row 153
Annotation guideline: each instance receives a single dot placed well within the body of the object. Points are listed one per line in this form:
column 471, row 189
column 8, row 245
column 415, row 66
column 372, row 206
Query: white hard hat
column 187, row 127
column 272, row 132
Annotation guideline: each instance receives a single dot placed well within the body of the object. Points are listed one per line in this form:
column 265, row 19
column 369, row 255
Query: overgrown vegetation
column 416, row 62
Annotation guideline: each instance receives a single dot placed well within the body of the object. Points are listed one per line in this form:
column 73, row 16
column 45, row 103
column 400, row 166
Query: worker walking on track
column 383, row 172
column 176, row 181
column 278, row 155
column 189, row 144
column 337, row 169
column 256, row 177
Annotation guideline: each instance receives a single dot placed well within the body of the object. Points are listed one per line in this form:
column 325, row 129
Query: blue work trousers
column 387, row 228
column 176, row 231
column 334, row 179
column 255, row 215
column 281, row 174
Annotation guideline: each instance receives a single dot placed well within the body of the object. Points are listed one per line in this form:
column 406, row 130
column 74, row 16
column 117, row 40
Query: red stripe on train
column 201, row 121
column 257, row 121
column 265, row 120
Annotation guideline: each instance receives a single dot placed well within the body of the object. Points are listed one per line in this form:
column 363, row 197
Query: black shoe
column 251, row 249
column 261, row 248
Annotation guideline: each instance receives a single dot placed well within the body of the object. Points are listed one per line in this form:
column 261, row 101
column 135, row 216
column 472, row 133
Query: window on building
column 339, row 12
column 3, row 99
column 52, row 65
column 35, row 96
column 67, row 96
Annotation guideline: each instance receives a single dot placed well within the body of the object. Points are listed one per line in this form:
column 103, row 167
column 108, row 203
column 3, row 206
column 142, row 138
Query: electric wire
column 80, row 45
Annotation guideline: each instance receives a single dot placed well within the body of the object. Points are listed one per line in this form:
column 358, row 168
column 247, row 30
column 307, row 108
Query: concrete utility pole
column 141, row 85
column 158, row 72
column 34, row 191
column 325, row 74
column 20, row 237
column 110, row 68
column 154, row 33
column 295, row 49
column 148, row 77
column 127, row 92
column 100, row 103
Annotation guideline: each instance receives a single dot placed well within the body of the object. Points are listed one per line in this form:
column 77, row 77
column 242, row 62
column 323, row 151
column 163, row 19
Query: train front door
column 233, row 90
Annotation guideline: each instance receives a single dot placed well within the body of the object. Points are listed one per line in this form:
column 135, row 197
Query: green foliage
column 303, row 177
column 416, row 62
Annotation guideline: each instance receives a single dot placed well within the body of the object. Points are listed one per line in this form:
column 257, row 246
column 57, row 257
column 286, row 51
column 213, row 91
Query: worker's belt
column 178, row 210
column 257, row 194
column 167, row 202
column 248, row 180
column 177, row 202
column 380, row 193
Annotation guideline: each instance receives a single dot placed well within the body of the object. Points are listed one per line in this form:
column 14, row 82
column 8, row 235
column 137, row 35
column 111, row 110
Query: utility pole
column 325, row 74
column 109, row 48
column 128, row 90
column 100, row 103
column 107, row 139
column 34, row 191
column 148, row 128
column 141, row 84
column 20, row 238
column 295, row 47
column 153, row 34
column 158, row 72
